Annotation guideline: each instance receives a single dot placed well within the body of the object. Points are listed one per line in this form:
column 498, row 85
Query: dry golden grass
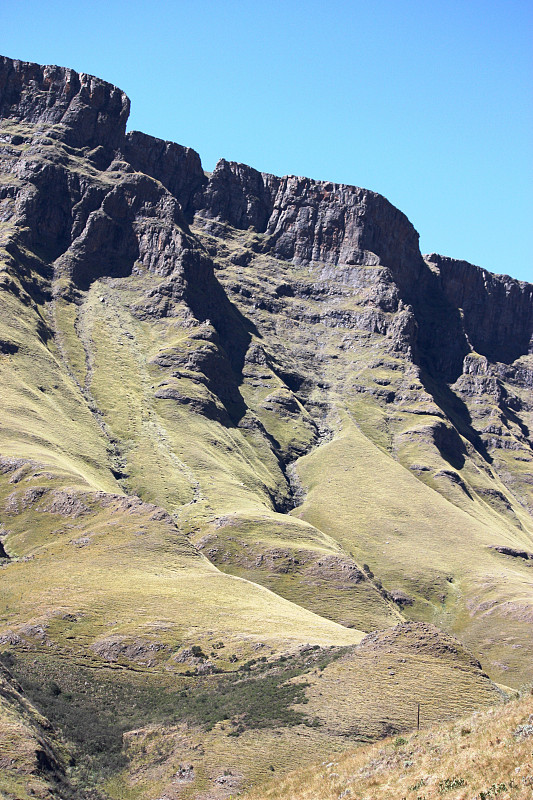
column 417, row 541
column 123, row 571
column 475, row 758
column 361, row 695
column 375, row 688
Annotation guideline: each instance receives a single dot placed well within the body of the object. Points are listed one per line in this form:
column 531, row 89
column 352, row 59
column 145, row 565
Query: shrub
column 451, row 783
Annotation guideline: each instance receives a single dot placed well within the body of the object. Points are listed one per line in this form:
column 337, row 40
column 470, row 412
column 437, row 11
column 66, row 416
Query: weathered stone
column 309, row 220
column 497, row 310
column 91, row 112
column 178, row 168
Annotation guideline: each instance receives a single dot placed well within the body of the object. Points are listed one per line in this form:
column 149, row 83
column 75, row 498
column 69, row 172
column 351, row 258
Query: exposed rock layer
column 93, row 112
column 303, row 220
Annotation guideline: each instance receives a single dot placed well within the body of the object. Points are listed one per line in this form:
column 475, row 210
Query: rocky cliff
column 91, row 112
column 303, row 221
column 496, row 310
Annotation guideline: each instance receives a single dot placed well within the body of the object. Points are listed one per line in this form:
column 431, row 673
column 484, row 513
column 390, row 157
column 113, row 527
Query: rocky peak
column 339, row 224
column 458, row 307
column 178, row 168
column 497, row 311
column 238, row 195
column 93, row 112
column 308, row 220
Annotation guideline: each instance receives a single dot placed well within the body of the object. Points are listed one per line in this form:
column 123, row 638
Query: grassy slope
column 433, row 668
column 33, row 761
column 124, row 573
column 198, row 468
column 45, row 418
column 419, row 542
column 125, row 570
column 481, row 757
column 411, row 664
column 381, row 488
column 297, row 561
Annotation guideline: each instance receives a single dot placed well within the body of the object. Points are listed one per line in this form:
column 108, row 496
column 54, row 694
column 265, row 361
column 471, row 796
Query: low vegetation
column 221, row 467
column 485, row 756
column 94, row 708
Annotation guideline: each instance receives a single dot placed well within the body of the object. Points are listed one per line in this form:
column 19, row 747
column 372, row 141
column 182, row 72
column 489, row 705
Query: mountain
column 265, row 470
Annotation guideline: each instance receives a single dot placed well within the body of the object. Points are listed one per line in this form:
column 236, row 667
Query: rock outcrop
column 301, row 220
column 306, row 220
column 497, row 311
column 178, row 168
column 92, row 112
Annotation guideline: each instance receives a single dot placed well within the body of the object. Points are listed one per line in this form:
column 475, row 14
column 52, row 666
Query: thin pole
column 418, row 717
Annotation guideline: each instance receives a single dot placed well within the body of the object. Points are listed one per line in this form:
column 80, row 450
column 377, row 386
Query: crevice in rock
column 455, row 409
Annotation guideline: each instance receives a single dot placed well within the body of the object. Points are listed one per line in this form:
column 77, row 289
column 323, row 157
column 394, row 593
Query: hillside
column 484, row 756
column 244, row 424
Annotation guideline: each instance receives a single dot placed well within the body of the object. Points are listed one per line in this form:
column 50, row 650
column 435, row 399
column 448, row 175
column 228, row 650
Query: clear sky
column 428, row 102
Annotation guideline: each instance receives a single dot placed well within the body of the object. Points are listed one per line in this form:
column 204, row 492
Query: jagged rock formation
column 497, row 310
column 92, row 113
column 307, row 220
column 244, row 375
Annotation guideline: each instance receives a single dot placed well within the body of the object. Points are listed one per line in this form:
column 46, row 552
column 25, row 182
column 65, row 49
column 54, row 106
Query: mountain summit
column 265, row 470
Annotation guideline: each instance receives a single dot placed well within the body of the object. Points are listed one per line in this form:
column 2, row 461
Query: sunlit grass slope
column 123, row 568
column 390, row 479
column 418, row 542
column 297, row 561
column 44, row 415
column 174, row 453
column 211, row 475
column 484, row 756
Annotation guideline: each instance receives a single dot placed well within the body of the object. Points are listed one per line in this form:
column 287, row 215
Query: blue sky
column 428, row 103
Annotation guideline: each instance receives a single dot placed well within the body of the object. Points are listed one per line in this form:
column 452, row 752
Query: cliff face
column 303, row 221
column 307, row 220
column 497, row 311
column 93, row 112
column 178, row 168
column 247, row 374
